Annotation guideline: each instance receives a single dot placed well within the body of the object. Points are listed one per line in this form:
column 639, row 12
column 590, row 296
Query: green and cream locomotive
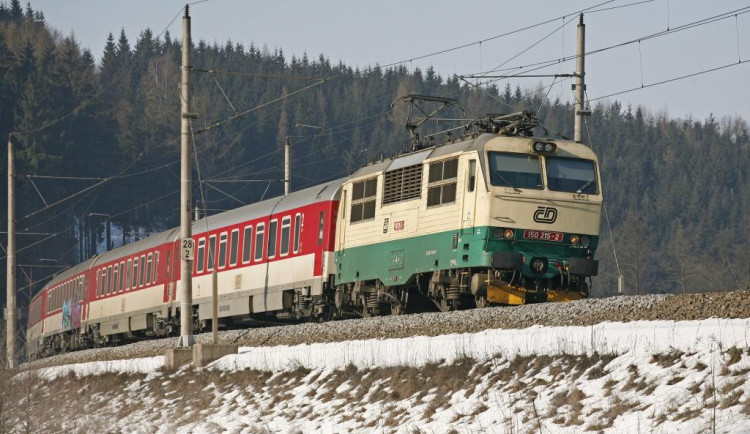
column 495, row 217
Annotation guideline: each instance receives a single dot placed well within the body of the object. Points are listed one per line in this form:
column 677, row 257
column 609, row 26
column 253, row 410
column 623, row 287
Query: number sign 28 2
column 188, row 247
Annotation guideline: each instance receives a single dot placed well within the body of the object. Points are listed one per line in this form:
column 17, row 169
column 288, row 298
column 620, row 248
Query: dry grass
column 731, row 386
column 669, row 359
column 687, row 414
column 746, row 406
column 674, row 380
column 735, row 355
column 599, row 369
column 730, row 399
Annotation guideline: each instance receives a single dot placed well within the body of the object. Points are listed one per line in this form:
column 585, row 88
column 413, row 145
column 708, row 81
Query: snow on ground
column 647, row 376
column 640, row 338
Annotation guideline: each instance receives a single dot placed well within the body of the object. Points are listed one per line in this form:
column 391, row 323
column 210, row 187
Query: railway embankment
column 623, row 364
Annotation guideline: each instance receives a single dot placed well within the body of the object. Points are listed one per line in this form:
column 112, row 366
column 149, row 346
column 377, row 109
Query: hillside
column 634, row 376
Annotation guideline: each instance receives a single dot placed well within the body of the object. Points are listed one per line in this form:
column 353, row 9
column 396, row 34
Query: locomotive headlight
column 586, row 240
column 575, row 239
column 503, row 233
column 544, row 147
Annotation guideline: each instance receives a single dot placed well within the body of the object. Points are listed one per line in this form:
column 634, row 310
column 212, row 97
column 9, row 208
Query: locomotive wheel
column 444, row 305
column 397, row 309
column 481, row 301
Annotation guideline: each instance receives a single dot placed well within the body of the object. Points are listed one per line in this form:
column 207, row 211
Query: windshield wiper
column 584, row 186
column 502, row 178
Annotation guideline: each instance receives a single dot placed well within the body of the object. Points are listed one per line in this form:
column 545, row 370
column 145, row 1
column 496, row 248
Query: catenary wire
column 459, row 47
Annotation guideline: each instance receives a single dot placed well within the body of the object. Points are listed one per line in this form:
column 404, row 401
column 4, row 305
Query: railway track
column 733, row 304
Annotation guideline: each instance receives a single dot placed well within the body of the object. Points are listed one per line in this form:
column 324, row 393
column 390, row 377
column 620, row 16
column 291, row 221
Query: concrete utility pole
column 186, row 240
column 10, row 306
column 580, row 86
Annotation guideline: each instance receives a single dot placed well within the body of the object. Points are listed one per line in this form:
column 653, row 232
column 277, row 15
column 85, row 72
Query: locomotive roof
column 565, row 147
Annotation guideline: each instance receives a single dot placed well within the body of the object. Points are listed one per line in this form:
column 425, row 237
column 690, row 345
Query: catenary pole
column 10, row 307
column 580, row 86
column 287, row 167
column 186, row 242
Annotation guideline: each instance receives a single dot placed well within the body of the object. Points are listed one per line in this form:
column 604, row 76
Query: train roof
column 318, row 193
column 321, row 192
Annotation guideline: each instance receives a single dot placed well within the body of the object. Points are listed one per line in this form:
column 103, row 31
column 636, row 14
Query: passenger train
column 497, row 216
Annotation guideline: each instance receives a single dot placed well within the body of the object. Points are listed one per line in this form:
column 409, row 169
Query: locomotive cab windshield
column 563, row 174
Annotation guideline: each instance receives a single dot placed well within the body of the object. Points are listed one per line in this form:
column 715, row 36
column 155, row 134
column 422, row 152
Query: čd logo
column 545, row 214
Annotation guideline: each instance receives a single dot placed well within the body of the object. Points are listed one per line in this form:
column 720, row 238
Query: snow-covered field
column 647, row 376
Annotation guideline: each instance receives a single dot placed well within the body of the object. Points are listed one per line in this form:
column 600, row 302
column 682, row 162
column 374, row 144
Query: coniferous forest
column 105, row 136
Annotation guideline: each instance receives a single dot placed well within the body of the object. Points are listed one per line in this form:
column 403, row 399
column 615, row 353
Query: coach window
column 169, row 264
column 201, row 255
column 234, row 242
column 441, row 187
column 272, row 229
column 286, row 228
column 363, row 200
column 211, row 253
column 297, row 221
column 223, row 250
column 134, row 281
column 116, row 280
column 142, row 274
column 149, row 264
column 259, row 238
column 128, row 271
column 155, row 277
column 247, row 241
column 102, row 281
column 122, row 276
column 109, row 280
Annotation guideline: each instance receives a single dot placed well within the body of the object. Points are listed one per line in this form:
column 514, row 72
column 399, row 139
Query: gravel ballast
column 686, row 307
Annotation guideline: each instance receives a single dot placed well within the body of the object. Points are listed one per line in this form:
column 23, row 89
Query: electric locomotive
column 498, row 216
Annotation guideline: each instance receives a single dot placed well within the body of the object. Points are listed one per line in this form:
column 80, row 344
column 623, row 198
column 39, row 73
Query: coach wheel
column 481, row 301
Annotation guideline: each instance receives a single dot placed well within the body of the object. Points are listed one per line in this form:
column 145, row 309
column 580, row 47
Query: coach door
column 319, row 246
column 469, row 205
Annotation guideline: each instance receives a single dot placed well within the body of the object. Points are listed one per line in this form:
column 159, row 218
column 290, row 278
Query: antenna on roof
column 412, row 124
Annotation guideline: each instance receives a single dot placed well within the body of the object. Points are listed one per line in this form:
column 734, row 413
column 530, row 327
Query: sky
column 366, row 33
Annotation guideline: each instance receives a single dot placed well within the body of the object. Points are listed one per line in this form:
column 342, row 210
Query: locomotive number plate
column 555, row 237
